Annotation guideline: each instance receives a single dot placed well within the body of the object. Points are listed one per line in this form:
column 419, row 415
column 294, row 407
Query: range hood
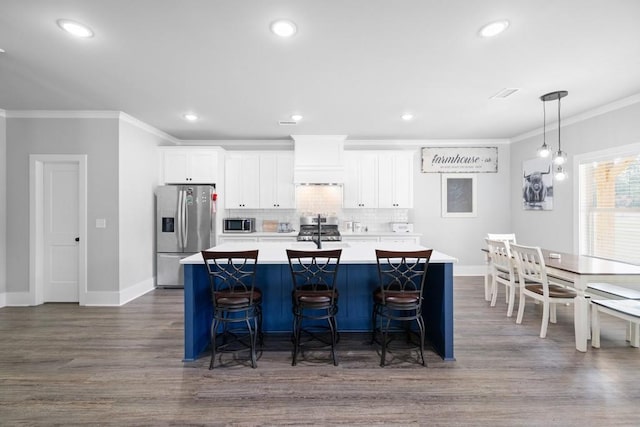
column 318, row 159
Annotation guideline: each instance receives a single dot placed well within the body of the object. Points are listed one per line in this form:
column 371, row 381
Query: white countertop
column 378, row 233
column 260, row 234
column 352, row 252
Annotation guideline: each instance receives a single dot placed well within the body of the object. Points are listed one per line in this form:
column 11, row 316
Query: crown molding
column 417, row 143
column 148, row 128
column 62, row 114
column 598, row 111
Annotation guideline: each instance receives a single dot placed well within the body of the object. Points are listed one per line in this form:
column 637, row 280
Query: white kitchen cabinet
column 242, row 181
column 395, row 179
column 189, row 165
column 277, row 190
column 361, row 180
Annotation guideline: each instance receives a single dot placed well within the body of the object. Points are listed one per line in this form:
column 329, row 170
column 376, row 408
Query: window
column 609, row 205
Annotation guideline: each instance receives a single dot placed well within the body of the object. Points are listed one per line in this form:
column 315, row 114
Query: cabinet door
column 361, row 180
column 351, row 188
column 242, row 181
column 189, row 166
column 403, row 176
column 395, row 180
column 369, row 181
column 175, row 167
column 277, row 190
column 202, row 166
column 286, row 189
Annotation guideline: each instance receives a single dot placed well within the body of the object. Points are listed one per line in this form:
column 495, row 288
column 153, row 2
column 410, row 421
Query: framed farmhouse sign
column 459, row 159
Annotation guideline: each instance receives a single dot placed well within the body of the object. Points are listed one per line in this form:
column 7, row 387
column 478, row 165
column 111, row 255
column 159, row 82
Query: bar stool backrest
column 402, row 271
column 314, row 270
column 232, row 273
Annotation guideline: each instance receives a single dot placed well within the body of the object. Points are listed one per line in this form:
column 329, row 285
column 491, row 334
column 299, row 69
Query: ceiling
column 352, row 69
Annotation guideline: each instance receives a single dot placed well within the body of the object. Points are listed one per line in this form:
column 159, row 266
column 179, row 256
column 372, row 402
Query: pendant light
column 543, row 150
column 559, row 157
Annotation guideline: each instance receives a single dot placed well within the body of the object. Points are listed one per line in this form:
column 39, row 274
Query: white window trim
column 587, row 158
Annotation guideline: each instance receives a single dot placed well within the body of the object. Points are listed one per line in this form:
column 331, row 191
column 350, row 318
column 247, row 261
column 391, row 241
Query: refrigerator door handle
column 179, row 217
column 185, row 222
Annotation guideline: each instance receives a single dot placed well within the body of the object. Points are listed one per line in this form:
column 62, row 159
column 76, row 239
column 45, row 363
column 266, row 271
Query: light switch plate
column 101, row 223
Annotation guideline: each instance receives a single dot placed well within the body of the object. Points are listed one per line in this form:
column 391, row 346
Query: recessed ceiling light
column 407, row 117
column 2, row 50
column 494, row 28
column 75, row 28
column 190, row 117
column 296, row 117
column 283, row 28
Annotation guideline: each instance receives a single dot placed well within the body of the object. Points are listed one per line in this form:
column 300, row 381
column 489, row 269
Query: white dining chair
column 534, row 283
column 503, row 271
column 509, row 237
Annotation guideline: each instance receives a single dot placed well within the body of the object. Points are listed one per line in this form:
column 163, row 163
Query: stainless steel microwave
column 239, row 225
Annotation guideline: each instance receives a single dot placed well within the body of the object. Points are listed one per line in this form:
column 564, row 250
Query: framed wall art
column 459, row 199
column 537, row 185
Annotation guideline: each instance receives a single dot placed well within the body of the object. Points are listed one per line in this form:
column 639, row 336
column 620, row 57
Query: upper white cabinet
column 395, row 179
column 189, row 165
column 242, row 181
column 361, row 180
column 277, row 190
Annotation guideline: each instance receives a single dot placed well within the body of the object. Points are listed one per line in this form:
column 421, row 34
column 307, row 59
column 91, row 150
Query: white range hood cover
column 318, row 159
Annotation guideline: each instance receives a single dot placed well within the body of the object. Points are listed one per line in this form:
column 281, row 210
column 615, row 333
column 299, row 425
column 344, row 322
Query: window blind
column 609, row 207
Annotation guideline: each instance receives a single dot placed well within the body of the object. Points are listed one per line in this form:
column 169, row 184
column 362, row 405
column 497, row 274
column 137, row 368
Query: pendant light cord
column 559, row 146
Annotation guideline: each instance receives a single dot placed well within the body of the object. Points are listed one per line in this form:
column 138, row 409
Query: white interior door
column 61, row 232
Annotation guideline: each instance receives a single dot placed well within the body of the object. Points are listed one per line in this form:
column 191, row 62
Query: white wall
column 463, row 238
column 554, row 229
column 138, row 178
column 3, row 207
column 96, row 137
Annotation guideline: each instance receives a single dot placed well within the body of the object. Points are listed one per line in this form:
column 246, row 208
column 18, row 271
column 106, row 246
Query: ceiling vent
column 504, row 93
column 287, row 123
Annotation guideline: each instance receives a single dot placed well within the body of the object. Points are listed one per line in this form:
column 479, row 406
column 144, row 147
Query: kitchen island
column 357, row 278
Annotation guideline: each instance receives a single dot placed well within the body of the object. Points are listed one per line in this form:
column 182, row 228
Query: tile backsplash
column 327, row 200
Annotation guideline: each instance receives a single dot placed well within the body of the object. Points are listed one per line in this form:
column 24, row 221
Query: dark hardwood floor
column 61, row 364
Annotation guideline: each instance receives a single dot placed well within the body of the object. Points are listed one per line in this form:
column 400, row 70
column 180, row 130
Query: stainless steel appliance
column 328, row 229
column 239, row 225
column 185, row 224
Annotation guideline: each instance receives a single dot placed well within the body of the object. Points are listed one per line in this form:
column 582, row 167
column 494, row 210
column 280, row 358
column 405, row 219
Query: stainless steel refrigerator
column 185, row 224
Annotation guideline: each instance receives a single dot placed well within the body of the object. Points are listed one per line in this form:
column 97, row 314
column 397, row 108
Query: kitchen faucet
column 319, row 241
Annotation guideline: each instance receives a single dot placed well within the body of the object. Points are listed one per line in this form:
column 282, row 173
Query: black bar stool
column 236, row 302
column 314, row 299
column 398, row 299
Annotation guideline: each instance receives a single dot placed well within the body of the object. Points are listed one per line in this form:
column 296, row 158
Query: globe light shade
column 543, row 151
column 560, row 158
column 559, row 173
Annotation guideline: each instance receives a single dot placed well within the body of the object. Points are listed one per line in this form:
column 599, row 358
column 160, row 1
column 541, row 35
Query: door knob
column 77, row 239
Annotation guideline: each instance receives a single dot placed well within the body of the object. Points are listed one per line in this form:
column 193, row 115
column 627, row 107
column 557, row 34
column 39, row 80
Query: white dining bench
column 610, row 291
column 625, row 309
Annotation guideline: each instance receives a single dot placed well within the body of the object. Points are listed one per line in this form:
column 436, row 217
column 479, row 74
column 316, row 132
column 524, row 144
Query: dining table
column 578, row 271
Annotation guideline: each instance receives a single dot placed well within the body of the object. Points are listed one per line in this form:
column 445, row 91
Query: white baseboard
column 469, row 270
column 96, row 299
column 137, row 290
column 106, row 299
column 18, row 299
